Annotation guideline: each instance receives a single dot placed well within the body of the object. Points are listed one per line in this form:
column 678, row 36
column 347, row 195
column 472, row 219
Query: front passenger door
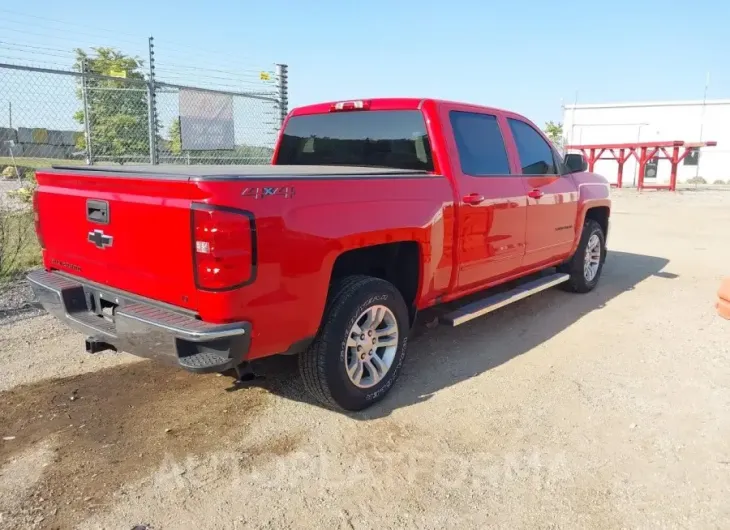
column 552, row 199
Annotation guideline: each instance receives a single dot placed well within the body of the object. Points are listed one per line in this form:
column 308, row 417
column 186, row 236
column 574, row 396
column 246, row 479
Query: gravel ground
column 17, row 302
column 605, row 410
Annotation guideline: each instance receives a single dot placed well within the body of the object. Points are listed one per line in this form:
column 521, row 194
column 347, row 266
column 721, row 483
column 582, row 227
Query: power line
column 39, row 61
column 185, row 81
column 20, row 44
column 184, row 49
column 255, row 72
column 36, row 17
column 44, row 35
column 238, row 79
column 25, row 50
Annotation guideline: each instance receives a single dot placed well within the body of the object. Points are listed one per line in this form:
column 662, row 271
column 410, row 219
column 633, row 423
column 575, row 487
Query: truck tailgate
column 128, row 233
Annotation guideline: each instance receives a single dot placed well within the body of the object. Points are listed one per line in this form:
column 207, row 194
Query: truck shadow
column 442, row 357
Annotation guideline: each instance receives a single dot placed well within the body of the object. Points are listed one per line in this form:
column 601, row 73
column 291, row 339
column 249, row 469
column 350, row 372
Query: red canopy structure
column 674, row 151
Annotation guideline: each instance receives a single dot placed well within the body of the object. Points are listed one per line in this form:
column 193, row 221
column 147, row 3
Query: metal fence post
column 87, row 114
column 152, row 105
column 282, row 88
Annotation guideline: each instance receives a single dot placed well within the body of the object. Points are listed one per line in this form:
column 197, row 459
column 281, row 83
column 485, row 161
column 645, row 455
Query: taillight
column 224, row 247
column 37, row 219
column 350, row 105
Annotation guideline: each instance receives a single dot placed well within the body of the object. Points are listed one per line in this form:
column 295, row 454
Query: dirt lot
column 606, row 410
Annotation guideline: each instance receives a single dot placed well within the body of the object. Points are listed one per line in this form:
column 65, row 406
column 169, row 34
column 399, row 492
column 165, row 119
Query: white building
column 690, row 121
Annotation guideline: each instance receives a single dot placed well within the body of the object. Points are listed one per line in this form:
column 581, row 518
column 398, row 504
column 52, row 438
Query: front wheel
column 358, row 354
column 586, row 265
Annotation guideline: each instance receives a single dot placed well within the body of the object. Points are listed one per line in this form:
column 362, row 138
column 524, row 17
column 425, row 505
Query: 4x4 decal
column 261, row 193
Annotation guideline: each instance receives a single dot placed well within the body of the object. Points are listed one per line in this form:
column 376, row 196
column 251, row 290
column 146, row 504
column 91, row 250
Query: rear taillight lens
column 37, row 219
column 224, row 247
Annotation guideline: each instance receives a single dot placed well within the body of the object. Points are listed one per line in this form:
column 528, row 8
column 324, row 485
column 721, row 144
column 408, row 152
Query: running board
column 496, row 301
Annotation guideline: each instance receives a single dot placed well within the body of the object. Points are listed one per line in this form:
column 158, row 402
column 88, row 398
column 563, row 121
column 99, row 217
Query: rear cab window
column 394, row 139
column 480, row 145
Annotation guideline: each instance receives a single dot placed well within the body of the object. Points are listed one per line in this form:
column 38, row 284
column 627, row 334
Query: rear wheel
column 358, row 354
column 586, row 265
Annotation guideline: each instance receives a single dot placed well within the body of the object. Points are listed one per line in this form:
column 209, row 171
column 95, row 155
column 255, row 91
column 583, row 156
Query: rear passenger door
column 552, row 198
column 492, row 206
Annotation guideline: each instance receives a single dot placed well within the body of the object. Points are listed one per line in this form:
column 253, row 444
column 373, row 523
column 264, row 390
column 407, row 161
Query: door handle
column 473, row 198
column 535, row 194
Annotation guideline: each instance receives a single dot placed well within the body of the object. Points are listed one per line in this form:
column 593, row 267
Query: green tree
column 174, row 137
column 117, row 108
column 554, row 131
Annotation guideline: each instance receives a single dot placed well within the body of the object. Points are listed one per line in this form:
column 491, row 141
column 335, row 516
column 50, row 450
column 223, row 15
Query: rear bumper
column 141, row 327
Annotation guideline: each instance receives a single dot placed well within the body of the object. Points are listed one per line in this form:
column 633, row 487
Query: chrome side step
column 491, row 303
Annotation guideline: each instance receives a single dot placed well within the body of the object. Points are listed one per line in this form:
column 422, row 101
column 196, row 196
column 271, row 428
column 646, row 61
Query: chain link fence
column 50, row 116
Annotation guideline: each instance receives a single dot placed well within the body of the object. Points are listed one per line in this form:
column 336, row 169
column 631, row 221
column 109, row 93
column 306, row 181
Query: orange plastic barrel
column 723, row 299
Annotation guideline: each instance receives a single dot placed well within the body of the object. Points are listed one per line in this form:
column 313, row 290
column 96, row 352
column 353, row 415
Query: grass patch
column 37, row 163
column 19, row 248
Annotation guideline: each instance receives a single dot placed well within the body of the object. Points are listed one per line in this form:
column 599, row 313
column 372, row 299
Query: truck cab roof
column 395, row 103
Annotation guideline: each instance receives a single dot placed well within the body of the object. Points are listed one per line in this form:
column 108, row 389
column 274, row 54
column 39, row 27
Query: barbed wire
column 7, row 12
column 30, row 48
column 135, row 45
column 28, row 61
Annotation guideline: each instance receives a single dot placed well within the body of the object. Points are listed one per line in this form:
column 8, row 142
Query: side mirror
column 575, row 163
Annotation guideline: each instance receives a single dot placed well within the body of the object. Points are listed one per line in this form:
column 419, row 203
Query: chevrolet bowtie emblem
column 99, row 239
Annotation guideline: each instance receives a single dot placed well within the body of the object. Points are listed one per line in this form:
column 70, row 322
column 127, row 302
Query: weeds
column 24, row 194
column 19, row 249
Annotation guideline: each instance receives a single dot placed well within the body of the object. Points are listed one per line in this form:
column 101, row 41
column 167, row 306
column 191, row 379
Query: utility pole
column 702, row 123
column 10, row 114
column 152, row 104
column 572, row 120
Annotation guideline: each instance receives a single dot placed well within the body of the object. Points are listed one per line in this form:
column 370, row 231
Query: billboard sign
column 206, row 120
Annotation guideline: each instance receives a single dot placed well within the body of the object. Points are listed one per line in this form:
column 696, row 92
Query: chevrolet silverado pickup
column 370, row 211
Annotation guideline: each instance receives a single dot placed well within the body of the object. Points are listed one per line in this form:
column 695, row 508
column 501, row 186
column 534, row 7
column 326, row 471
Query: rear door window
column 379, row 138
column 480, row 144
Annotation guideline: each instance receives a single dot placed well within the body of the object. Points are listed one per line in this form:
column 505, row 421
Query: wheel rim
column 371, row 346
column 593, row 258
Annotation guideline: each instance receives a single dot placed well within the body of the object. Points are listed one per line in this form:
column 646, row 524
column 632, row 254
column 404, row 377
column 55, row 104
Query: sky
column 528, row 56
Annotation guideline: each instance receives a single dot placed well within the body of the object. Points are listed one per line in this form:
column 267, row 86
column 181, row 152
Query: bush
column 19, row 249
column 9, row 173
column 697, row 180
column 719, row 181
column 25, row 194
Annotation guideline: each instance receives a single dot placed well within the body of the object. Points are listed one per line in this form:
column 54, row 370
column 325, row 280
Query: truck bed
column 242, row 172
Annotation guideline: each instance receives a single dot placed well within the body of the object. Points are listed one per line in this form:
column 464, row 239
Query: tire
column 324, row 366
column 580, row 280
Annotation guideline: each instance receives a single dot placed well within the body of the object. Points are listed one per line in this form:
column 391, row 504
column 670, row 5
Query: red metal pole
column 675, row 163
column 592, row 161
column 621, row 160
column 642, row 162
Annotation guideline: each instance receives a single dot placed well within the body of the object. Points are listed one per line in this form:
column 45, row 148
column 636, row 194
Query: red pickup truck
column 370, row 212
